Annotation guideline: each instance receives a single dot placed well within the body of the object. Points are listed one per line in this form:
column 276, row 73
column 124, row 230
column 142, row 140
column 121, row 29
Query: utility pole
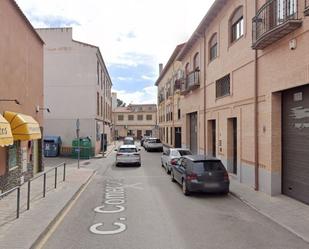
column 78, row 142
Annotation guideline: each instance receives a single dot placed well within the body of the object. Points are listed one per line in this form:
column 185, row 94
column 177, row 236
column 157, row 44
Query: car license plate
column 211, row 185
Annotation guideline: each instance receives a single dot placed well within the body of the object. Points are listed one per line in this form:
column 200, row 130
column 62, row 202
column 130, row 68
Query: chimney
column 160, row 68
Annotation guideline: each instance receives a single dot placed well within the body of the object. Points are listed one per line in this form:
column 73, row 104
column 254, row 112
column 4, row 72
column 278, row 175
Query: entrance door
column 193, row 132
column 35, row 157
column 295, row 143
column 177, row 137
column 212, row 138
column 139, row 134
column 232, row 146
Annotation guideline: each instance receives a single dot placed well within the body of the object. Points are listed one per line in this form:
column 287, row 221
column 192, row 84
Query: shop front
column 19, row 159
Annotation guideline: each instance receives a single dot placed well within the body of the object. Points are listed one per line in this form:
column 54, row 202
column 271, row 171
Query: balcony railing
column 306, row 8
column 161, row 98
column 274, row 20
column 178, row 84
column 191, row 82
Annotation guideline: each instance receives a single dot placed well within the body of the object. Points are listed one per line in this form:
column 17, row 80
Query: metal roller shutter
column 295, row 141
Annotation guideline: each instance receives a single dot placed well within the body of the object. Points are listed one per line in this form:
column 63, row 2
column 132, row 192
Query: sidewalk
column 287, row 212
column 23, row 232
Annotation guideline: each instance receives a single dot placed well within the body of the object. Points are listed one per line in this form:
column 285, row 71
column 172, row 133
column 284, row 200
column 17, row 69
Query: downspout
column 205, row 54
column 173, row 107
column 256, row 127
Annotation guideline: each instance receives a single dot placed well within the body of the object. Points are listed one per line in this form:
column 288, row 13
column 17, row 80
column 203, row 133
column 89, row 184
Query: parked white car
column 128, row 154
column 153, row 144
column 170, row 157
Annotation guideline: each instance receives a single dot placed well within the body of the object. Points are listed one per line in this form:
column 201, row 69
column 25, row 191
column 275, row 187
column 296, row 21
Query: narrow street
column 151, row 212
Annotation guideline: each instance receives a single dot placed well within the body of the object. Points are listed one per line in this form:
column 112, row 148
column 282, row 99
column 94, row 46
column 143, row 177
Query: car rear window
column 127, row 150
column 202, row 166
column 184, row 152
column 153, row 141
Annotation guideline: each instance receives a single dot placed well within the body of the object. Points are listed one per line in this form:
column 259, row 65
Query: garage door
column 295, row 138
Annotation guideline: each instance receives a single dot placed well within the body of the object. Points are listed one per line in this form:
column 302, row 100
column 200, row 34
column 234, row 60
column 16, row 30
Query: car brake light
column 136, row 154
column 191, row 177
column 226, row 176
column 173, row 161
column 119, row 154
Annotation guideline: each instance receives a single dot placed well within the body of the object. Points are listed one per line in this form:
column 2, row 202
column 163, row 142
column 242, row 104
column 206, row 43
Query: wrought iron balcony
column 306, row 8
column 191, row 82
column 178, row 84
column 161, row 98
column 274, row 20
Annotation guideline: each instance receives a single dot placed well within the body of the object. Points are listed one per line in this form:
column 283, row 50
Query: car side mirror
column 139, row 149
column 115, row 150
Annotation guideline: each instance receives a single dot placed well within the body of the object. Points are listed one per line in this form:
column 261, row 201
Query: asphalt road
column 150, row 212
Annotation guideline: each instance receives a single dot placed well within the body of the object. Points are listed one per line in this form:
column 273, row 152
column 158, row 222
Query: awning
column 6, row 137
column 23, row 127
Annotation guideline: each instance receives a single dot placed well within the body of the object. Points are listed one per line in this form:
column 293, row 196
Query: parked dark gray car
column 199, row 173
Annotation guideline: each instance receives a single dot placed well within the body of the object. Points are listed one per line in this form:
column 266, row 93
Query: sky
column 134, row 36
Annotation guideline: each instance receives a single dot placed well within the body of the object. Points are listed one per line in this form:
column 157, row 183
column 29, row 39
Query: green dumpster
column 86, row 151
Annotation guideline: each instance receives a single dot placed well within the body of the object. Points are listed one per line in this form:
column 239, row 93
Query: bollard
column 56, row 177
column 18, row 202
column 64, row 169
column 44, row 185
column 28, row 196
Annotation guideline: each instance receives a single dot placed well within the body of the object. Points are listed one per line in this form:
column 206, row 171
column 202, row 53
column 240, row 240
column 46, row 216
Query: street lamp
column 11, row 100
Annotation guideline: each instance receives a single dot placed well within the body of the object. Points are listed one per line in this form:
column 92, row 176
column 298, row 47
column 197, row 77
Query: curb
column 36, row 243
column 235, row 195
column 106, row 154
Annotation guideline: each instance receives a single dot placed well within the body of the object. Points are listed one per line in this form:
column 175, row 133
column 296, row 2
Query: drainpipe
column 256, row 127
column 205, row 54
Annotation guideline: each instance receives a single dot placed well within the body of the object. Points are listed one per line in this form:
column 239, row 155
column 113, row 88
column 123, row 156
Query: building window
column 98, row 72
column 131, row 117
column 213, row 47
column 139, row 117
column 120, row 117
column 196, row 62
column 98, row 104
column 101, row 106
column 237, row 25
column 223, row 86
column 187, row 69
column 149, row 117
column 12, row 155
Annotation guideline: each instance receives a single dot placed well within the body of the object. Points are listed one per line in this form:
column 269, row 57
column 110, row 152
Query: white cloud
column 154, row 27
column 146, row 96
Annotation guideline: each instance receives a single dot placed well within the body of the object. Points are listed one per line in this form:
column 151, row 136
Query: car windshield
column 153, row 141
column 127, row 150
column 184, row 152
column 202, row 166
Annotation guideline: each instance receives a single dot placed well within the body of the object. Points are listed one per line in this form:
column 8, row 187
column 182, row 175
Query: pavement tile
column 287, row 212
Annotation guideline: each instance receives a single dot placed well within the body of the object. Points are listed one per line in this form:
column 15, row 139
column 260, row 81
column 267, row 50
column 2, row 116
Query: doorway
column 232, row 145
column 212, row 145
column 193, row 132
column 177, row 137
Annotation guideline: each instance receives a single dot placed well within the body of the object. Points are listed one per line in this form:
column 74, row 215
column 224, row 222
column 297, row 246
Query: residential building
column 21, row 83
column 169, row 99
column 253, row 111
column 136, row 121
column 76, row 86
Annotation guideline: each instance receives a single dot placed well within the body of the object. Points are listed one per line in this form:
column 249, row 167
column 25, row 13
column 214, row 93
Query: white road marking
column 100, row 210
column 94, row 229
column 134, row 186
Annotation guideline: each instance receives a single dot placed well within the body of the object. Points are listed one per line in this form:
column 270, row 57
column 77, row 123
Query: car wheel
column 172, row 176
column 185, row 188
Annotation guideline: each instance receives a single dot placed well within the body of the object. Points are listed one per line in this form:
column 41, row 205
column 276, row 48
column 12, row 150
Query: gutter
column 205, row 54
column 256, row 122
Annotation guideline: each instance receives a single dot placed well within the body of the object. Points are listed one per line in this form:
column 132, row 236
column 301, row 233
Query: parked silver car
column 153, row 144
column 170, row 157
column 128, row 140
column 128, row 154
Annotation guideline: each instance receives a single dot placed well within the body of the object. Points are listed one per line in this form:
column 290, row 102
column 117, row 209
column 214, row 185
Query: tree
column 120, row 103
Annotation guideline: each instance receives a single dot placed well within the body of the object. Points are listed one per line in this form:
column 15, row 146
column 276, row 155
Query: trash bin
column 86, row 151
column 52, row 146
